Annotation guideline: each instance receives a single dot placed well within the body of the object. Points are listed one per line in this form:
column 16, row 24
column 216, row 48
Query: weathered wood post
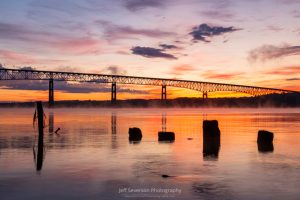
column 40, row 153
column 265, row 141
column 166, row 136
column 40, row 114
column 211, row 138
column 135, row 134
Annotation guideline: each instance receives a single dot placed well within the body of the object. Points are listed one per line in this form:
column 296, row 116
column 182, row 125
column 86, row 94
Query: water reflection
column 165, row 136
column 38, row 155
column 114, row 144
column 92, row 151
column 113, row 123
column 212, row 190
column 16, row 142
column 51, row 122
column 164, row 122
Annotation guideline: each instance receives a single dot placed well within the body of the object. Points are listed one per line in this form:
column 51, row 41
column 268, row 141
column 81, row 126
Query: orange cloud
column 181, row 69
column 215, row 75
column 292, row 70
column 280, row 83
column 292, row 87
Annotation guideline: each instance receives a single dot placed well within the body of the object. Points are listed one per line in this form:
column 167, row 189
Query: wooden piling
column 166, row 136
column 135, row 134
column 40, row 152
column 265, row 141
column 211, row 139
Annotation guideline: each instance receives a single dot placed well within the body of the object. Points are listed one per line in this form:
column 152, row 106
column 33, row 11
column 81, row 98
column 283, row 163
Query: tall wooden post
column 40, row 152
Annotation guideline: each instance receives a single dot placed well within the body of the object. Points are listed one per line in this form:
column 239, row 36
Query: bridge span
column 203, row 87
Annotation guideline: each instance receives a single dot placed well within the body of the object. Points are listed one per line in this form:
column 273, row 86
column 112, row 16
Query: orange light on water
column 139, row 92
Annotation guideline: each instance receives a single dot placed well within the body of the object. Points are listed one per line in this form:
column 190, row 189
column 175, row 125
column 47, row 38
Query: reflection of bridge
column 204, row 87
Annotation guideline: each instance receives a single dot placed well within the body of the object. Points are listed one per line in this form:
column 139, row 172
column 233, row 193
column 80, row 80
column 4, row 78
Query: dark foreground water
column 91, row 157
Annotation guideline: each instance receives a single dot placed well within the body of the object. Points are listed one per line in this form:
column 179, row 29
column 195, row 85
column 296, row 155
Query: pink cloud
column 268, row 52
column 54, row 40
column 13, row 57
column 83, row 45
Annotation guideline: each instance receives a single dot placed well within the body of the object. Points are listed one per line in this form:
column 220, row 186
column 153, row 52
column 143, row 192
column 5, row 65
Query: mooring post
column 51, row 93
column 166, row 136
column 40, row 114
column 164, row 92
column 265, row 141
column 135, row 134
column 113, row 92
column 211, row 139
column 40, row 153
column 205, row 95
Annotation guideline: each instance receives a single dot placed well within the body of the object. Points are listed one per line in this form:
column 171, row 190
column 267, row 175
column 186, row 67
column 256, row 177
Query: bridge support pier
column 51, row 93
column 113, row 92
column 205, row 95
column 164, row 92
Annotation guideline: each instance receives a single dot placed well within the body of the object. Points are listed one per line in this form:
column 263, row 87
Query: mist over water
column 90, row 157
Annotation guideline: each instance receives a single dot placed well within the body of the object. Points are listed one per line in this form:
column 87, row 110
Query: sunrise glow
column 239, row 42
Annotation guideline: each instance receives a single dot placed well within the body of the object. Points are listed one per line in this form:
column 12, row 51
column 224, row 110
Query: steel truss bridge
column 203, row 87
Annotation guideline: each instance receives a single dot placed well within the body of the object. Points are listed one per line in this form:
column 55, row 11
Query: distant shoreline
column 269, row 101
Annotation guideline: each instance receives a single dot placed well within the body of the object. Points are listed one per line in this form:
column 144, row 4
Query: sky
column 247, row 42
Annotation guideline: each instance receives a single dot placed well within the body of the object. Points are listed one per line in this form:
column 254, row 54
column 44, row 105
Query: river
column 90, row 157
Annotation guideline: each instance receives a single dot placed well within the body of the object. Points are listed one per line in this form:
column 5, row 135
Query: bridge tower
column 51, row 93
column 205, row 95
column 164, row 92
column 113, row 92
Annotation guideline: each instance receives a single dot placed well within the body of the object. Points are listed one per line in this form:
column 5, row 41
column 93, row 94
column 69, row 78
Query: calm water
column 91, row 157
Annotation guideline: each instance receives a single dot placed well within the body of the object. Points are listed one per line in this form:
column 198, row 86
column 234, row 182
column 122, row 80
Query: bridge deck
column 22, row 74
